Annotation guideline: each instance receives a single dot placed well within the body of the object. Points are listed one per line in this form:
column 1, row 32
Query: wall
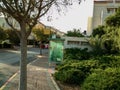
column 76, row 42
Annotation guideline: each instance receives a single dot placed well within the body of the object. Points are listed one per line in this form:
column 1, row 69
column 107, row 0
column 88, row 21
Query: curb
column 14, row 75
column 4, row 85
column 55, row 84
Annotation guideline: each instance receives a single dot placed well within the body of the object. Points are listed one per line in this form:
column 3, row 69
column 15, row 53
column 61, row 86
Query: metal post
column 40, row 48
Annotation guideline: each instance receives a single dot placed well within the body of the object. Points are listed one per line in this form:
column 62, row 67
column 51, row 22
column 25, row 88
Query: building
column 76, row 42
column 4, row 24
column 101, row 10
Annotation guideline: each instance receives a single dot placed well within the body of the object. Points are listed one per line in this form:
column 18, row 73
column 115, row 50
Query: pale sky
column 76, row 17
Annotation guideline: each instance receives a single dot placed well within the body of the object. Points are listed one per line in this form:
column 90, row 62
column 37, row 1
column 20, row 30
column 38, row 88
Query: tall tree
column 26, row 13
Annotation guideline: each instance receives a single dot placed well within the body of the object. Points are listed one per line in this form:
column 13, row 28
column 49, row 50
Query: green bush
column 76, row 53
column 84, row 65
column 74, row 72
column 90, row 71
column 71, row 76
column 108, row 79
column 109, row 61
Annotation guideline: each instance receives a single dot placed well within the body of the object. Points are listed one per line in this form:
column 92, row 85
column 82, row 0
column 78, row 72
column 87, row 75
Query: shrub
column 90, row 72
column 71, row 76
column 74, row 72
column 84, row 65
column 76, row 53
column 108, row 79
column 109, row 61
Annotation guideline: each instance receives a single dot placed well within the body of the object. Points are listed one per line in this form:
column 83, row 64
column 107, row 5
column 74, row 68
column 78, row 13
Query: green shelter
column 56, row 50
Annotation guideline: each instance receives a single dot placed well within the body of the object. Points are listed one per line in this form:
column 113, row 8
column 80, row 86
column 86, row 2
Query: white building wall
column 89, row 26
column 76, row 42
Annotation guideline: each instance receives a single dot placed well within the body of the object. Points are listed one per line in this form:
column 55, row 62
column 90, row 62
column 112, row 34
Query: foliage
column 114, row 20
column 71, row 76
column 12, row 36
column 81, row 69
column 95, row 43
column 98, row 31
column 107, row 79
column 39, row 35
column 74, row 33
column 110, row 40
column 108, row 61
column 107, row 38
column 65, row 71
column 3, row 35
column 76, row 53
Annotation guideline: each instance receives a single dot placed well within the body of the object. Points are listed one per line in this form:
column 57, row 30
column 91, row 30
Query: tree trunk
column 23, row 62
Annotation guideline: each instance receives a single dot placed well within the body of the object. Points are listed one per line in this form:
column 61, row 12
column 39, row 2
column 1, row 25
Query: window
column 111, row 10
column 84, row 43
column 73, row 42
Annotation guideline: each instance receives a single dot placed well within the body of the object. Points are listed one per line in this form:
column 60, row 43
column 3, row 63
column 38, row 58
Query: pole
column 40, row 48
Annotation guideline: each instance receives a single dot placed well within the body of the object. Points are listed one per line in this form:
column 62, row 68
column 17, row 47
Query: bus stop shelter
column 56, row 49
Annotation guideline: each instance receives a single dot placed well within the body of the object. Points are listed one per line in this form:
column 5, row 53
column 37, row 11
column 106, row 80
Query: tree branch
column 11, row 25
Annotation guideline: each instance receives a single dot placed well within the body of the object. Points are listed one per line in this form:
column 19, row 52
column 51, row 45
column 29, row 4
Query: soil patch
column 64, row 86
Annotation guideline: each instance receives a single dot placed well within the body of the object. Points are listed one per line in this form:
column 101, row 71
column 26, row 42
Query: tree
column 114, row 19
column 27, row 13
column 12, row 36
column 109, row 34
column 98, row 31
column 39, row 34
column 111, row 40
column 3, row 35
column 95, row 43
column 75, row 33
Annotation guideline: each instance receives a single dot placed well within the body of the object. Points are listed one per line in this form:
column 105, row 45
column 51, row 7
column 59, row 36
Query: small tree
column 39, row 35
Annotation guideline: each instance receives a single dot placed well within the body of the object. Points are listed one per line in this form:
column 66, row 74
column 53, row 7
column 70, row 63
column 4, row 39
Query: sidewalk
column 38, row 78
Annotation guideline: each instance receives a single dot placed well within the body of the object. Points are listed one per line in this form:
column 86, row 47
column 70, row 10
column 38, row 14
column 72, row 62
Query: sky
column 74, row 18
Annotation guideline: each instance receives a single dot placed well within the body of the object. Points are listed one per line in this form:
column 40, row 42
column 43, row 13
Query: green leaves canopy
column 3, row 35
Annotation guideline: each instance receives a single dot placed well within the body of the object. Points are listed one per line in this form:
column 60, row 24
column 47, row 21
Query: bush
column 108, row 79
column 109, row 61
column 90, row 71
column 71, row 76
column 74, row 72
column 76, row 53
column 84, row 65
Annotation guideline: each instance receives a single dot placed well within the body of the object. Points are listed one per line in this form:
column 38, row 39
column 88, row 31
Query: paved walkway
column 38, row 76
